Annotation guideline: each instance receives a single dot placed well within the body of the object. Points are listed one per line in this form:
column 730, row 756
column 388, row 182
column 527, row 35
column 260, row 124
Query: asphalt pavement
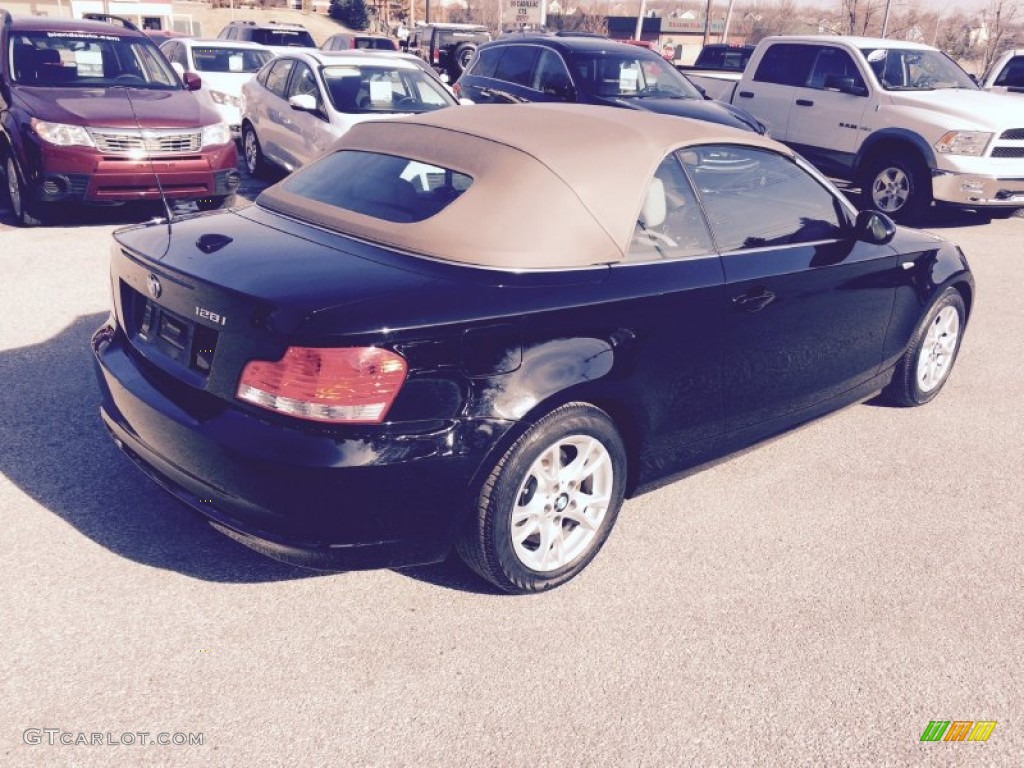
column 816, row 601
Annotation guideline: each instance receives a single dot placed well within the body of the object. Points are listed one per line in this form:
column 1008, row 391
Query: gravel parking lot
column 816, row 601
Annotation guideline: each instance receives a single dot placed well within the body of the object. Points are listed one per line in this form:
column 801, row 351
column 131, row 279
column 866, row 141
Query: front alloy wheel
column 928, row 361
column 17, row 194
column 549, row 503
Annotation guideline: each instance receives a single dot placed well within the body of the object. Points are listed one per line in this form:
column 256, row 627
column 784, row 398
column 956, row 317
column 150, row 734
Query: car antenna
column 138, row 124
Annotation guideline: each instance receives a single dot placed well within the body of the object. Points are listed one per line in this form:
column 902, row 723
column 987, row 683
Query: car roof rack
column 111, row 19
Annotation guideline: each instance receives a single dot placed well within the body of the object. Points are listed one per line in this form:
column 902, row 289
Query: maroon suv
column 91, row 112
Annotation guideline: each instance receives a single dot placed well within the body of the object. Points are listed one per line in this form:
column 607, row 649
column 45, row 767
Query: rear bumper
column 377, row 499
column 85, row 176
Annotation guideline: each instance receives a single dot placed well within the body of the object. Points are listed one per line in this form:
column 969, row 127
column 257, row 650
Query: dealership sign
column 526, row 11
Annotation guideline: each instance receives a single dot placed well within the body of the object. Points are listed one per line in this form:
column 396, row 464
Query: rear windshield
column 448, row 36
column 386, row 187
column 89, row 60
column 234, row 60
column 298, row 38
column 384, row 90
column 376, row 43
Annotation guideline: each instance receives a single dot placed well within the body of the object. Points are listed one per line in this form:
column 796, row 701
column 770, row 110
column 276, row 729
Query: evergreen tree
column 352, row 13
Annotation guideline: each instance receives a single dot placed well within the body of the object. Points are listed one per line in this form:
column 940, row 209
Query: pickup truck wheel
column 897, row 186
column 549, row 502
column 23, row 209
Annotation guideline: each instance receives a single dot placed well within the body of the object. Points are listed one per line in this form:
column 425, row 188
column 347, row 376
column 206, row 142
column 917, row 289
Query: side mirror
column 874, row 227
column 845, row 85
column 303, row 102
column 192, row 81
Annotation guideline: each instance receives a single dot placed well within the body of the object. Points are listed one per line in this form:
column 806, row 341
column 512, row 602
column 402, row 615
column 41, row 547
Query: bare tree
column 1000, row 19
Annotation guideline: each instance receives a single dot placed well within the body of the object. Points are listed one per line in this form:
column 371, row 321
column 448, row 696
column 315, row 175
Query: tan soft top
column 554, row 185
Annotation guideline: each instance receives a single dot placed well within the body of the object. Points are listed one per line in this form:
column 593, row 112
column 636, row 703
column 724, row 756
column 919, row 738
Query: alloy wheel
column 561, row 503
column 938, row 349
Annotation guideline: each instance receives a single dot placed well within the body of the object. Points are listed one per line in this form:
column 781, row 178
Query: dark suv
column 91, row 112
column 589, row 70
column 279, row 38
column 448, row 48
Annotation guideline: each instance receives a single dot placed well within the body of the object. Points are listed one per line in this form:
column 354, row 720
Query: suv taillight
column 347, row 385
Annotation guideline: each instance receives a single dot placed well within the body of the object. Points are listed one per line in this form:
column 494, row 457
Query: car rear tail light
column 350, row 385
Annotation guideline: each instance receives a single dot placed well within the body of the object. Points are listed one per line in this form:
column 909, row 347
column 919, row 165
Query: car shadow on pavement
column 57, row 452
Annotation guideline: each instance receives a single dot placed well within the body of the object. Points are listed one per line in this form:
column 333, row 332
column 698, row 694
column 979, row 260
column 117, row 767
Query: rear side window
column 755, row 198
column 387, row 187
column 486, row 62
column 786, row 64
column 516, row 64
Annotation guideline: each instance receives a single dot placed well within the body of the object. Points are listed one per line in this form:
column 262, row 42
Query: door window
column 277, row 78
column 670, row 224
column 551, row 75
column 755, row 198
column 836, row 63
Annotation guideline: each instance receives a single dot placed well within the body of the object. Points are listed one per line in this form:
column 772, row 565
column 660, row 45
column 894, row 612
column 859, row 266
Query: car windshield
column 89, row 60
column 916, row 70
column 231, row 60
column 298, row 38
column 620, row 75
column 383, row 89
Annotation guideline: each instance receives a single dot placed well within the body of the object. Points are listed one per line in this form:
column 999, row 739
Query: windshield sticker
column 876, row 55
column 235, row 63
column 380, row 92
column 628, row 79
column 90, row 63
column 83, row 36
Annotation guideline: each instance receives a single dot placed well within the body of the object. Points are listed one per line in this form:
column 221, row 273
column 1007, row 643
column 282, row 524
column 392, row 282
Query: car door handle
column 753, row 302
column 804, row 103
column 746, row 94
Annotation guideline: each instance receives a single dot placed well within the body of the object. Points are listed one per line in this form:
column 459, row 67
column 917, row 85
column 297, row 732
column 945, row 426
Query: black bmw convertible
column 483, row 328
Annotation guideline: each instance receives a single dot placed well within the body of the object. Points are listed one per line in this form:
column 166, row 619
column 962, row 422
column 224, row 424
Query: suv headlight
column 219, row 97
column 61, row 135
column 963, row 143
column 218, row 133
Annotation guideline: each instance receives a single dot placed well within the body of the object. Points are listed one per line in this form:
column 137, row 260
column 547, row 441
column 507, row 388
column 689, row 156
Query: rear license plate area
column 158, row 332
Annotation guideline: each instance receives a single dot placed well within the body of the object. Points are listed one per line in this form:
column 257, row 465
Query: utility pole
column 728, row 20
column 640, row 20
column 707, row 23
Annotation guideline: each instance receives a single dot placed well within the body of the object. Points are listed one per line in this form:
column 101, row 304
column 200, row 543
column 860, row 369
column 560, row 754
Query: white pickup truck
column 1006, row 74
column 901, row 120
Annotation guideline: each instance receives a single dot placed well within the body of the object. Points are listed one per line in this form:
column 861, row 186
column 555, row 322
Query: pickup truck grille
column 1014, row 134
column 1015, row 152
column 149, row 142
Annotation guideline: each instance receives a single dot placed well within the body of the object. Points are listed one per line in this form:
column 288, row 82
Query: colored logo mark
column 958, row 730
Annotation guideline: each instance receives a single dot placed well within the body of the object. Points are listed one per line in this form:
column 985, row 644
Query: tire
column 925, row 366
column 216, row 203
column 460, row 59
column 255, row 162
column 26, row 212
column 899, row 187
column 534, row 530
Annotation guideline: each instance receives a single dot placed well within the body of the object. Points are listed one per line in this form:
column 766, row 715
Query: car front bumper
column 72, row 175
column 382, row 498
column 974, row 190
